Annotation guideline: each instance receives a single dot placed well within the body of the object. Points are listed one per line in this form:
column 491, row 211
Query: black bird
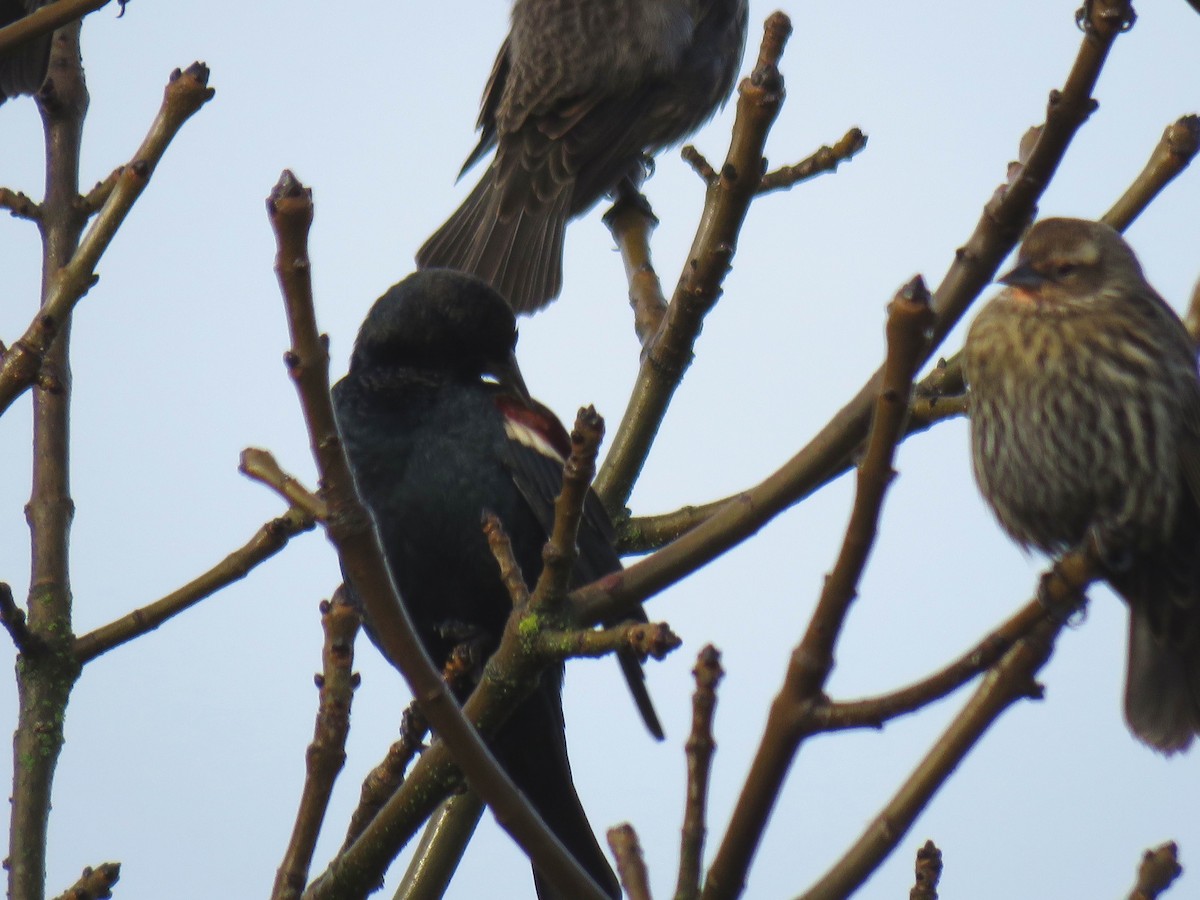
column 22, row 69
column 581, row 93
column 438, row 427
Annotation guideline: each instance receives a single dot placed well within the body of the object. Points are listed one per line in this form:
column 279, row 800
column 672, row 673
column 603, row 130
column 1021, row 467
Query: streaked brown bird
column 580, row 94
column 1085, row 421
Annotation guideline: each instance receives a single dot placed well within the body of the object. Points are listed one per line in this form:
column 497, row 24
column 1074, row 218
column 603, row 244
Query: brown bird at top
column 1085, row 422
column 581, row 93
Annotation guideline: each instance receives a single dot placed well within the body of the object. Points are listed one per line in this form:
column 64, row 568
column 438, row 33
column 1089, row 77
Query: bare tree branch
column 558, row 555
column 46, row 678
column 12, row 617
column 653, row 639
column 669, row 355
column 826, row 159
column 21, row 206
column 928, row 873
column 699, row 751
column 641, row 534
column 95, row 199
column 327, row 753
column 441, row 848
column 1012, row 679
column 630, row 865
column 1158, row 870
column 1173, row 153
column 382, row 781
column 631, row 222
column 73, row 276
column 788, row 723
column 459, row 673
column 873, row 712
column 94, row 884
column 261, row 466
column 266, row 542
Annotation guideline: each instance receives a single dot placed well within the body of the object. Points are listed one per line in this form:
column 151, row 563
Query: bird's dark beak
column 508, row 373
column 1023, row 276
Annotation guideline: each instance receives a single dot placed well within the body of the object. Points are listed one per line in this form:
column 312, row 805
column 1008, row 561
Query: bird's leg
column 472, row 647
column 628, row 194
column 1113, row 542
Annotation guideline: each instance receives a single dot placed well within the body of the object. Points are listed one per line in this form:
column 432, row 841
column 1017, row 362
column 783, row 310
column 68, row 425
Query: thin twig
column 94, row 884
column 826, row 159
column 382, row 781
column 909, row 319
column 95, row 199
column 631, row 222
column 272, row 537
column 928, row 873
column 459, row 673
column 261, row 466
column 728, row 200
column 327, row 753
column 1157, row 872
column 510, row 570
column 699, row 752
column 46, row 678
column 938, row 397
column 20, row 205
column 873, row 712
column 631, row 866
column 641, row 534
column 653, row 639
column 1012, row 679
column 1174, row 151
column 699, row 163
column 12, row 617
column 558, row 555
column 440, row 849
column 68, row 281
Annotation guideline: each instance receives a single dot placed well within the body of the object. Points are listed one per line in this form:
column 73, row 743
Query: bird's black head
column 442, row 320
column 1073, row 259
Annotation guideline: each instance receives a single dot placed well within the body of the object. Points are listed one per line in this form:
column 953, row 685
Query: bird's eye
column 1064, row 270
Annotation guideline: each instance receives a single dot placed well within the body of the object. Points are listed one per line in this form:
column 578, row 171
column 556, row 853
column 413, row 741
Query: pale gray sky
column 184, row 752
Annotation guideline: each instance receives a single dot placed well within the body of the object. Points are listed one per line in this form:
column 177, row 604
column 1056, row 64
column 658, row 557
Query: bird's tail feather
column 532, row 748
column 1162, row 686
column 519, row 253
column 635, row 677
column 23, row 70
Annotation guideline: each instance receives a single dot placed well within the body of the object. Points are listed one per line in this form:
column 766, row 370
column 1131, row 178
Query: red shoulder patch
column 534, row 426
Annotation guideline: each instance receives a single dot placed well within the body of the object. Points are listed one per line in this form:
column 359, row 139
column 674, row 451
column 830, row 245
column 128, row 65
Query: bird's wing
column 538, row 446
column 1183, row 355
column 1189, row 451
column 579, row 96
column 488, row 106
